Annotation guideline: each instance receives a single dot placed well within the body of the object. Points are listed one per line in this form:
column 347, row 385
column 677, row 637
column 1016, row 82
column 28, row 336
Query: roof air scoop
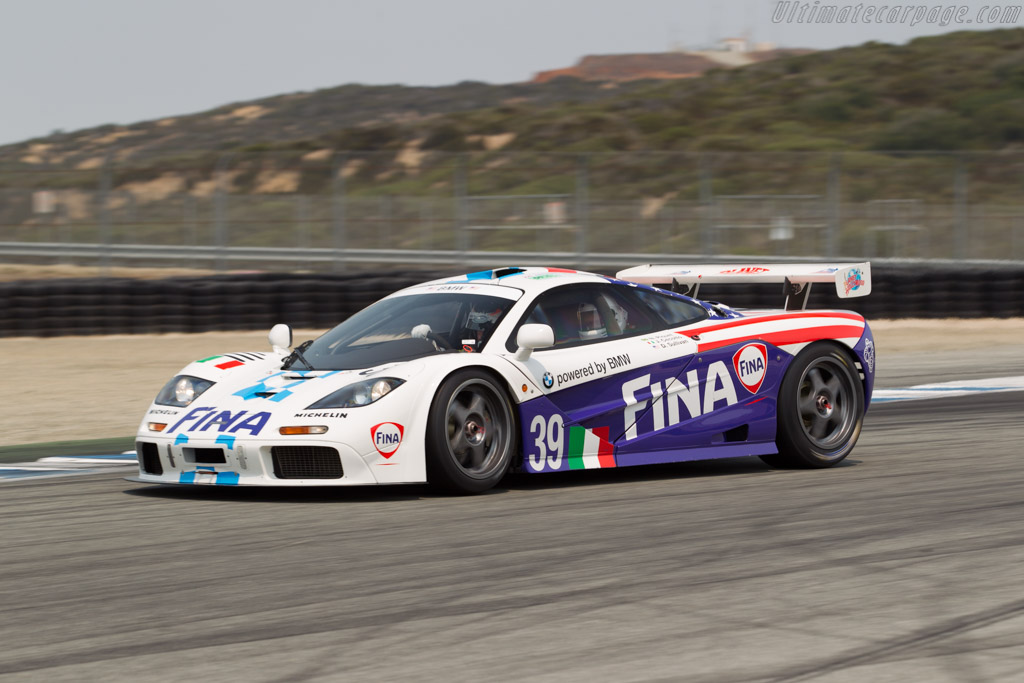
column 502, row 272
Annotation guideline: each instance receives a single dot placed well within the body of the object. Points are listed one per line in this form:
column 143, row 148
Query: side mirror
column 280, row 338
column 533, row 336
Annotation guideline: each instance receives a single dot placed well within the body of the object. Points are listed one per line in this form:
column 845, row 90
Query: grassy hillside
column 359, row 115
column 956, row 92
column 952, row 92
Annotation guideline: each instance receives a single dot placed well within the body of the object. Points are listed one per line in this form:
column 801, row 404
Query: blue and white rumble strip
column 65, row 466
column 965, row 387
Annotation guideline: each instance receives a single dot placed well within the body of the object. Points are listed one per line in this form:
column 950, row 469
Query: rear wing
column 851, row 279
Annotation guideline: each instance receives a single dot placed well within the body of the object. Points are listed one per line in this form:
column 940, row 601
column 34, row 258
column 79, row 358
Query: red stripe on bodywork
column 739, row 322
column 229, row 364
column 783, row 337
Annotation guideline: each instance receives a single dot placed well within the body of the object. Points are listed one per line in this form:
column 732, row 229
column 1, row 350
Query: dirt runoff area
column 70, row 388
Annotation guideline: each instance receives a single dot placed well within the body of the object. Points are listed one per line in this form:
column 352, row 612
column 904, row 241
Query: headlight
column 182, row 390
column 359, row 394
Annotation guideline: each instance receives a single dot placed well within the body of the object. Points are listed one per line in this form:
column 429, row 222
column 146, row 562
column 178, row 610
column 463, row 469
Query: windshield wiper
column 296, row 354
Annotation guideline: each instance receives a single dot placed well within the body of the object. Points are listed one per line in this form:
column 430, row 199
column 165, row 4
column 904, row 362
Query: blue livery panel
column 720, row 403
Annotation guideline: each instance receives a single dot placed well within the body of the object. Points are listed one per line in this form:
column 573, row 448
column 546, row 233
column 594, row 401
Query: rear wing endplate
column 851, row 279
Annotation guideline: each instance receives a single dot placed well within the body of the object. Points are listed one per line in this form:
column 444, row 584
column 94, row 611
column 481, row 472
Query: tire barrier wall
column 256, row 301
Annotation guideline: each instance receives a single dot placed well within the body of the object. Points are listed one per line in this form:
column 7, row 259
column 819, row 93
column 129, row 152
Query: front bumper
column 229, row 462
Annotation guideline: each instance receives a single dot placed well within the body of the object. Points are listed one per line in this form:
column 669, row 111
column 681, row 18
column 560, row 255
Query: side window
column 589, row 313
column 674, row 311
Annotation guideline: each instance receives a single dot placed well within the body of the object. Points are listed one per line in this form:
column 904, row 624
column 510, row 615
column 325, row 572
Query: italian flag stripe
column 605, row 449
column 590, row 449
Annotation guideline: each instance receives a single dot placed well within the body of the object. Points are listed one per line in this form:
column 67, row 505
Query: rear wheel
column 821, row 409
column 470, row 433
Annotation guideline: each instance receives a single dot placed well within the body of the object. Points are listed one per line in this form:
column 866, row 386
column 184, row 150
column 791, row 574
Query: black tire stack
column 254, row 301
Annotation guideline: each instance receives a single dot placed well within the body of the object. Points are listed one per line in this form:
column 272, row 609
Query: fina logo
column 548, row 380
column 387, row 437
column 751, row 364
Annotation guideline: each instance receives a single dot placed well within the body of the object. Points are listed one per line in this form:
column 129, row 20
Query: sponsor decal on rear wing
column 850, row 279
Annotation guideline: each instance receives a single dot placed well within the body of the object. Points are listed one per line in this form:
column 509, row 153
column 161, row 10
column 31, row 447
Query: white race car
column 456, row 381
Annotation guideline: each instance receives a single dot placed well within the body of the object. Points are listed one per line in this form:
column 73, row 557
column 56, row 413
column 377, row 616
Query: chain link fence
column 324, row 210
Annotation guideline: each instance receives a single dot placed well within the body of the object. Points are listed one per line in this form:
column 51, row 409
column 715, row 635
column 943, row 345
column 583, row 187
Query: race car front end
column 272, row 427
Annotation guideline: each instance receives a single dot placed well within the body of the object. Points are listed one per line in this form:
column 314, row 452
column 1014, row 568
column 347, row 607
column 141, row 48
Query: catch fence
column 329, row 211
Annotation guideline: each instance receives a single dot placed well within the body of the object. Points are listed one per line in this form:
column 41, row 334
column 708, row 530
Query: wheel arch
column 502, row 385
column 505, row 383
column 799, row 447
column 851, row 353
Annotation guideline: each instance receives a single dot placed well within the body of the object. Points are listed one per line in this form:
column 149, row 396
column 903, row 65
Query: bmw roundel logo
column 549, row 381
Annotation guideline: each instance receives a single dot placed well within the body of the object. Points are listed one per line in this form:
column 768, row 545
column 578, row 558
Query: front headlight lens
column 182, row 390
column 379, row 388
column 359, row 394
column 185, row 390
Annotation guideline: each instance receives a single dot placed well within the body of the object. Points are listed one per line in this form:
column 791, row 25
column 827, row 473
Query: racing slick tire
column 821, row 409
column 471, row 433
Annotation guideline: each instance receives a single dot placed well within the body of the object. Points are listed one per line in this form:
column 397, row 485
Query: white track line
column 965, row 387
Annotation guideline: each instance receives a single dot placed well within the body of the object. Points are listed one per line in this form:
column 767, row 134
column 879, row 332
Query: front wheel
column 470, row 433
column 821, row 409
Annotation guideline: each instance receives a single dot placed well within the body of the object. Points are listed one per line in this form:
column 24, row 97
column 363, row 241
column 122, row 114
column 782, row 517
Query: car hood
column 260, row 381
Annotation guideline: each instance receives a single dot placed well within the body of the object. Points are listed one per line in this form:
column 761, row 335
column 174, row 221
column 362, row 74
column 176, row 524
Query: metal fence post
column 104, row 199
column 191, row 225
column 338, row 210
column 707, row 203
column 582, row 209
column 461, row 232
column 221, row 211
column 834, row 204
column 961, row 229
column 302, row 216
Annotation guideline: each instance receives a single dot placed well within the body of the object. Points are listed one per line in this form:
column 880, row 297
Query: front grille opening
column 306, row 462
column 205, row 456
column 149, row 457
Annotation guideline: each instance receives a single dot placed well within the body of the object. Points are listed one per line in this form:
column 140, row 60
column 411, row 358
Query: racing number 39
column 548, row 435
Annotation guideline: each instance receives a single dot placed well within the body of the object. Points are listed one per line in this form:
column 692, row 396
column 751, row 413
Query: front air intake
column 205, row 456
column 149, row 457
column 306, row 462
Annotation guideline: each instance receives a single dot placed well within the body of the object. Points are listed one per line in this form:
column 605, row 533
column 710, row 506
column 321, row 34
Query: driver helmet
column 482, row 320
column 590, row 323
column 479, row 324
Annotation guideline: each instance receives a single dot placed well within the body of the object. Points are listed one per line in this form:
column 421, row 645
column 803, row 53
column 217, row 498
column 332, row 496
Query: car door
column 613, row 359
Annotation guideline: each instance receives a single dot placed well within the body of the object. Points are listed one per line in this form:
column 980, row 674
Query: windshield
column 406, row 327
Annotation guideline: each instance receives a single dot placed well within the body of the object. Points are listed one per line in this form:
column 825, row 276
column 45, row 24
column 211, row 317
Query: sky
column 72, row 64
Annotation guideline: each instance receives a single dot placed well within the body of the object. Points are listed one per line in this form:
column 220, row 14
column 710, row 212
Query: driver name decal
column 387, row 437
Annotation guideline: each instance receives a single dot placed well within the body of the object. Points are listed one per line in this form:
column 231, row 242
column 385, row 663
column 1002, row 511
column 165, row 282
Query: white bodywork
column 249, row 453
column 233, row 417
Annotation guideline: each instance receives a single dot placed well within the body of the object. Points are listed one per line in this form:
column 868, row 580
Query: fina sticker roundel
column 751, row 365
column 387, row 437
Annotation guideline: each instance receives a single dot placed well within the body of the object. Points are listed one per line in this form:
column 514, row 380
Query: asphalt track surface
column 906, row 563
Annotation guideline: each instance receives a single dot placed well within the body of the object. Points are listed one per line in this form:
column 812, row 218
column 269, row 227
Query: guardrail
column 341, row 259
